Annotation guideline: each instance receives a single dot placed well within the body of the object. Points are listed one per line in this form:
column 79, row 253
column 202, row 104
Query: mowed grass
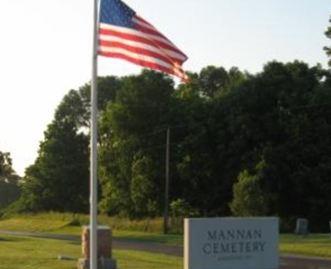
column 24, row 252
column 37, row 253
column 169, row 239
column 33, row 224
column 65, row 223
column 54, row 221
column 310, row 245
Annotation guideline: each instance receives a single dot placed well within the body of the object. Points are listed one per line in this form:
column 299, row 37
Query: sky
column 46, row 48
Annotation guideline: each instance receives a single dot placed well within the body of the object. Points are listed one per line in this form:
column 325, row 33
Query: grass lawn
column 61, row 224
column 36, row 253
column 311, row 245
column 34, row 223
column 52, row 221
column 170, row 239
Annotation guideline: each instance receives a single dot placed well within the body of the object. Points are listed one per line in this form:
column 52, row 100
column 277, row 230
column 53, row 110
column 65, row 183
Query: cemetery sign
column 231, row 243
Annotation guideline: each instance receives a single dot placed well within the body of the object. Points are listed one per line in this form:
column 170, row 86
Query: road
column 286, row 261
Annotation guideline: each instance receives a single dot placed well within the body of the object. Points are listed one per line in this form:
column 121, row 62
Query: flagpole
column 93, row 146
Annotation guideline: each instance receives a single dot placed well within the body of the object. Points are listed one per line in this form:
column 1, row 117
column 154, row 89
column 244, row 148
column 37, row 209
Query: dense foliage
column 240, row 144
column 59, row 178
column 9, row 180
column 256, row 144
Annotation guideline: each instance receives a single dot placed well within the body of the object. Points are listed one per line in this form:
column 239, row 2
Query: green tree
column 204, row 107
column 58, row 180
column 143, row 192
column 108, row 88
column 223, row 122
column 130, row 125
column 9, row 189
column 7, row 173
column 212, row 80
column 283, row 115
column 215, row 81
column 248, row 197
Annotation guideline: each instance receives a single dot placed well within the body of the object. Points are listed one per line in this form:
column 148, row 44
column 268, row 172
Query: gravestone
column 301, row 227
column 231, row 243
column 104, row 236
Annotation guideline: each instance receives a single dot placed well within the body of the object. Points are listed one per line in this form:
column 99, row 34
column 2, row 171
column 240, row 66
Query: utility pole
column 166, row 194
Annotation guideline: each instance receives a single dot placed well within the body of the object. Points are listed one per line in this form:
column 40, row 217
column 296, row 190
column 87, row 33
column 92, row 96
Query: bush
column 248, row 198
column 180, row 209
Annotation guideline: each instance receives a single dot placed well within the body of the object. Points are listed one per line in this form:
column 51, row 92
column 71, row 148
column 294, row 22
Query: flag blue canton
column 117, row 13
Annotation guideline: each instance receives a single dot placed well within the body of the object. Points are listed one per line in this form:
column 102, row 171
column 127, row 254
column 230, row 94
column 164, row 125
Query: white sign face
column 231, row 243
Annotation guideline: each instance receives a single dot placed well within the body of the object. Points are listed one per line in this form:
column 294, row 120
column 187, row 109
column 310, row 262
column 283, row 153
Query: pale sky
column 45, row 50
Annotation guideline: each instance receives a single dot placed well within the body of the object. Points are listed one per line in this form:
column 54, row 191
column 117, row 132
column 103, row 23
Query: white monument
column 231, row 243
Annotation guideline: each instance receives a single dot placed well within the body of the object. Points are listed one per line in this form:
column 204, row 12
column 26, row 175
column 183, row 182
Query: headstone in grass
column 105, row 260
column 231, row 243
column 301, row 227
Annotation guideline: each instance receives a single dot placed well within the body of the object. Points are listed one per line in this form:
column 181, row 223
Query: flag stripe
column 136, row 55
column 153, row 34
column 109, row 39
column 151, row 31
column 136, row 49
column 143, row 58
column 144, row 63
column 134, row 37
column 140, row 21
column 140, row 40
column 132, row 34
column 148, row 27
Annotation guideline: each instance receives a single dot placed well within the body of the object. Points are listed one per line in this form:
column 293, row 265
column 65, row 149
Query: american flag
column 125, row 35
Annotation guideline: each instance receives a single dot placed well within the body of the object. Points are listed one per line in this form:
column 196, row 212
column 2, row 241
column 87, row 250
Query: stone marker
column 105, row 260
column 231, row 243
column 301, row 227
column 103, row 263
column 104, row 242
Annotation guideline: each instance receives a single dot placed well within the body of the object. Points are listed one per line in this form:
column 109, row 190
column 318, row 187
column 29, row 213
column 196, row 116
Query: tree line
column 241, row 144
